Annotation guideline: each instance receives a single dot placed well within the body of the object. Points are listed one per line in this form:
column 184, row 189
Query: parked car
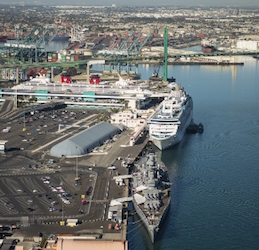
column 84, row 202
column 89, row 190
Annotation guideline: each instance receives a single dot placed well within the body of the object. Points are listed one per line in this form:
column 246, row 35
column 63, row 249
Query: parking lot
column 44, row 195
column 35, row 129
column 43, row 188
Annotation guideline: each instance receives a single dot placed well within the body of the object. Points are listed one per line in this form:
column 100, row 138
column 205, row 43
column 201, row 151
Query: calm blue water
column 215, row 175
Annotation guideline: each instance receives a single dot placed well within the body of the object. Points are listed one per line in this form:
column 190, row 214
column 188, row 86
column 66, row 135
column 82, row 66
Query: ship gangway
column 124, row 199
column 119, row 177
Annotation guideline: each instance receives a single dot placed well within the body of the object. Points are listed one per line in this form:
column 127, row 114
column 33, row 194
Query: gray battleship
column 151, row 198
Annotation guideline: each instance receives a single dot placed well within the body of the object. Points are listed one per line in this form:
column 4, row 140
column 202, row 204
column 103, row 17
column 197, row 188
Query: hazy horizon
column 187, row 3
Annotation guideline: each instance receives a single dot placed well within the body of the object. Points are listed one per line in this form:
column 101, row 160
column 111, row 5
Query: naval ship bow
column 151, row 198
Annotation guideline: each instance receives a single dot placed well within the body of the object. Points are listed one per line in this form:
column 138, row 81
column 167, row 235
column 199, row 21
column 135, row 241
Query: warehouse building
column 85, row 141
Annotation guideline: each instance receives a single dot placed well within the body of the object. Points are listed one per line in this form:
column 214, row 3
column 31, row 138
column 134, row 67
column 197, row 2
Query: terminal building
column 85, row 141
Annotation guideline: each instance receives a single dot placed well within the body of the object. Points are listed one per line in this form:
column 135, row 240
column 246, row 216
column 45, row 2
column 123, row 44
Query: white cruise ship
column 168, row 124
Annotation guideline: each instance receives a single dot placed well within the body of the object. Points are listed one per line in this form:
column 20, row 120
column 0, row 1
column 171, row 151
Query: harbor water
column 214, row 175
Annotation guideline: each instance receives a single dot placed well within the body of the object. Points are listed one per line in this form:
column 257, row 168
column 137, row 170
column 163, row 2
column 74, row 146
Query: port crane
column 124, row 43
column 31, row 47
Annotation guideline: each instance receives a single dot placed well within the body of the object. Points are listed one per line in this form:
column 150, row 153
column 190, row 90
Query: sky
column 234, row 3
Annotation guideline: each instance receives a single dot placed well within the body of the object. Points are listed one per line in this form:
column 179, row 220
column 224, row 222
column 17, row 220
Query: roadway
column 6, row 107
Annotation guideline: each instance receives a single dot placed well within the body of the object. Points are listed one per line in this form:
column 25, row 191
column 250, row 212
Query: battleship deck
column 151, row 188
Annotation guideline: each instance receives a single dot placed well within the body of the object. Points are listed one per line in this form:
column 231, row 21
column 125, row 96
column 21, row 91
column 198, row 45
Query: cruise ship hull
column 165, row 143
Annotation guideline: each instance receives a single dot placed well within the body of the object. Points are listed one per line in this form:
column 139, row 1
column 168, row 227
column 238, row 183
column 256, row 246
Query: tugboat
column 155, row 76
column 195, row 128
column 151, row 188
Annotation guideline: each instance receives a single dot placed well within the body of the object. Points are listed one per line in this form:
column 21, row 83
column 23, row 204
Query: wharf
column 212, row 63
column 120, row 149
column 205, row 63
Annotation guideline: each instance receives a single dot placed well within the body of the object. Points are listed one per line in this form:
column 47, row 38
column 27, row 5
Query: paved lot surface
column 38, row 194
column 28, row 132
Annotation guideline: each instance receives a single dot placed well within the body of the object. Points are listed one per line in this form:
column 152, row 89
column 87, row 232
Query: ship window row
column 124, row 115
column 158, row 129
column 162, row 122
column 164, row 130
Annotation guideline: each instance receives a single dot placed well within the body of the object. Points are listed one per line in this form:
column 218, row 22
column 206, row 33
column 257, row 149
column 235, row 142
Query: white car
column 112, row 167
column 66, row 201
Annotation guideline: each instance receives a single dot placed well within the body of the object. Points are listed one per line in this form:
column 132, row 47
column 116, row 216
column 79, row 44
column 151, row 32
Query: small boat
column 155, row 77
column 195, row 128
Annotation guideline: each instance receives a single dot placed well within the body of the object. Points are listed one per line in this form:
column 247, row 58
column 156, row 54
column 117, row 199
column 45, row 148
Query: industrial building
column 248, row 44
column 85, row 141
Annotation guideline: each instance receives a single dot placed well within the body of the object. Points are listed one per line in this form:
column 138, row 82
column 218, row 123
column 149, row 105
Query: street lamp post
column 62, row 211
column 76, row 167
column 77, row 179
column 24, row 127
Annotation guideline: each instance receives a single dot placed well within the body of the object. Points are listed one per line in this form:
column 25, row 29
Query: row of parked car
column 65, row 197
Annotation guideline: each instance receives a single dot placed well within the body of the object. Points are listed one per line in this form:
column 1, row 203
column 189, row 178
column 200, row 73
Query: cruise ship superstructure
column 151, row 189
column 168, row 124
